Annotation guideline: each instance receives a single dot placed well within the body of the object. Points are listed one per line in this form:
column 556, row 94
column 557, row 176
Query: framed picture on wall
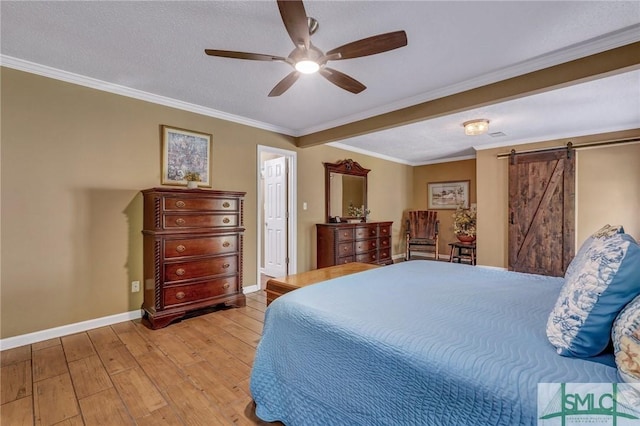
column 448, row 195
column 186, row 156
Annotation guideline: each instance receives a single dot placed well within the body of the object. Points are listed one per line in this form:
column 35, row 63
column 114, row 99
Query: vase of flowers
column 359, row 212
column 464, row 224
column 192, row 179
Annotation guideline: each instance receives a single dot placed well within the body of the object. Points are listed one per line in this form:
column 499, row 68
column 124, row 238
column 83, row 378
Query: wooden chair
column 422, row 232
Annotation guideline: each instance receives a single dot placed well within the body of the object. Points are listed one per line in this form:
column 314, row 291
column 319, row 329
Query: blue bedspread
column 415, row 343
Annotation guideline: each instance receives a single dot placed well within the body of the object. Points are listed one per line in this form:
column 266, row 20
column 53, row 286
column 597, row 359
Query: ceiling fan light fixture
column 475, row 127
column 307, row 66
column 308, row 59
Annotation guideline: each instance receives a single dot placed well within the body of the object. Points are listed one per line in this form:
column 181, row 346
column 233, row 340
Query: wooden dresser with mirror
column 347, row 238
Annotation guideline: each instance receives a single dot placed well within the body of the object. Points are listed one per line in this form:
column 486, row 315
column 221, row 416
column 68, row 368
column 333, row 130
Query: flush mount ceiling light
column 475, row 127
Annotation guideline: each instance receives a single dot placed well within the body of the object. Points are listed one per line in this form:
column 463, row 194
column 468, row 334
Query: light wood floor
column 195, row 372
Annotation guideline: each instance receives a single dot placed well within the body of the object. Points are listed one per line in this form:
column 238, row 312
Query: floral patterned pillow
column 608, row 231
column 604, row 278
column 626, row 342
column 604, row 232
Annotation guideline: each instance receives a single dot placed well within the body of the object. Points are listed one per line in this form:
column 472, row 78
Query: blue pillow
column 604, row 278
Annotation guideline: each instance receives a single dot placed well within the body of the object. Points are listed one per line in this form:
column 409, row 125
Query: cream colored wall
column 442, row 172
column 607, row 188
column 73, row 162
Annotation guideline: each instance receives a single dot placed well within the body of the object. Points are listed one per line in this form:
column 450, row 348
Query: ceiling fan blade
column 295, row 21
column 284, row 84
column 243, row 55
column 371, row 45
column 342, row 80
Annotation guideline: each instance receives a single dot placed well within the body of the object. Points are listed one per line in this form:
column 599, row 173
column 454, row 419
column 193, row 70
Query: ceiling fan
column 306, row 58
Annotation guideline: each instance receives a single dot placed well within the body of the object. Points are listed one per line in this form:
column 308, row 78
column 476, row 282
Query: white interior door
column 275, row 217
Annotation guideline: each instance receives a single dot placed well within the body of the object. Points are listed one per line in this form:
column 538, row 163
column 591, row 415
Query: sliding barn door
column 542, row 212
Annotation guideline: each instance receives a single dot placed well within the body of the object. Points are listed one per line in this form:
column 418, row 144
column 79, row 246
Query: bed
column 418, row 342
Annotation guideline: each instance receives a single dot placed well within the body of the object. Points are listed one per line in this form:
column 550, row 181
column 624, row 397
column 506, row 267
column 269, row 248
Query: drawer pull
column 226, row 220
column 226, row 244
column 373, row 245
column 180, row 204
column 225, row 286
column 385, row 230
column 345, row 248
column 180, row 248
column 225, row 266
column 180, row 221
column 180, row 295
column 180, row 272
column 345, row 234
column 226, row 204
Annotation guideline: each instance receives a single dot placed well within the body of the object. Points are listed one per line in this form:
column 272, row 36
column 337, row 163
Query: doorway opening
column 276, row 207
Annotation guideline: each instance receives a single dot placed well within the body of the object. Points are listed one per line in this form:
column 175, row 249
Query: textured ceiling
column 156, row 49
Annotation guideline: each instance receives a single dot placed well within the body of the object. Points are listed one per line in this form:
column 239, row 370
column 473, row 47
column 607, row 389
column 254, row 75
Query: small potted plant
column 192, row 179
column 359, row 212
column 464, row 224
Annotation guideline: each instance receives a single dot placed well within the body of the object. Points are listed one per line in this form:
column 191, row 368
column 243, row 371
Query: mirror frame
column 345, row 167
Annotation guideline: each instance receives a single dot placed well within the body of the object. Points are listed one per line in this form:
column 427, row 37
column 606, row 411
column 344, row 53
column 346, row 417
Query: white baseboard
column 64, row 330
column 250, row 289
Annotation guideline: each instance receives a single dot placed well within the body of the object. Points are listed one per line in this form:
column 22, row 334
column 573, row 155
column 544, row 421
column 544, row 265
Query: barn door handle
column 511, row 220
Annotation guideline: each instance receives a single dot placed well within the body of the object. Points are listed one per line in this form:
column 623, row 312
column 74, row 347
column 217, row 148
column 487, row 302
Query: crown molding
column 369, row 153
column 597, row 45
column 600, row 44
column 399, row 160
column 606, row 133
column 93, row 83
column 444, row 160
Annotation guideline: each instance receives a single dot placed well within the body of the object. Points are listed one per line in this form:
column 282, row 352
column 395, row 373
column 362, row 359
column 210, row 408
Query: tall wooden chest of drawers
column 340, row 243
column 192, row 252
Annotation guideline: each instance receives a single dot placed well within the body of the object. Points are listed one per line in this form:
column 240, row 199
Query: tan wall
column 442, row 172
column 607, row 191
column 73, row 162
